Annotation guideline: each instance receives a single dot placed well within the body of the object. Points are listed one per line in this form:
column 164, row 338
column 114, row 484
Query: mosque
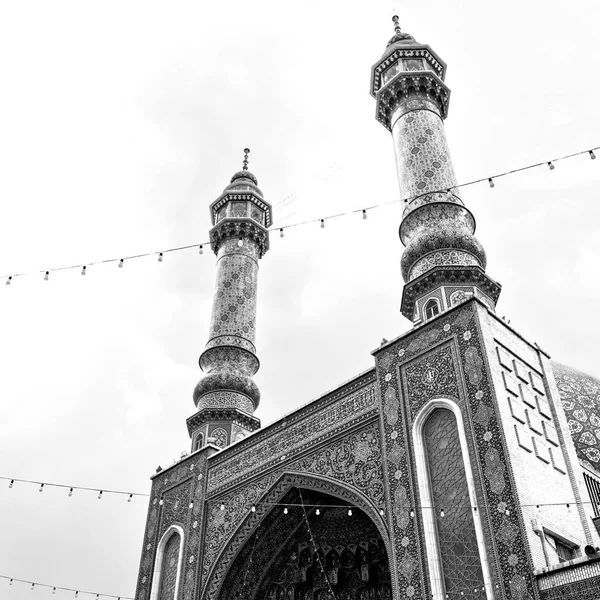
column 463, row 465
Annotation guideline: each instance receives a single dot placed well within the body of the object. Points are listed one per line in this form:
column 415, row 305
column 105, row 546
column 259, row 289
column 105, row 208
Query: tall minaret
column 443, row 262
column 226, row 397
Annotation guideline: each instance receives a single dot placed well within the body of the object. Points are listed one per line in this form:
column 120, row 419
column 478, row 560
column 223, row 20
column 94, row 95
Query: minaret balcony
column 407, row 84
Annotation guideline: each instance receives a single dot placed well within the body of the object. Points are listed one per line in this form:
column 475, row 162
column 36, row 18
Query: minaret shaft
column 226, row 397
column 443, row 262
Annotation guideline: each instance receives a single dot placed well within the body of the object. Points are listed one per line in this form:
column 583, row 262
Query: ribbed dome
column 580, row 396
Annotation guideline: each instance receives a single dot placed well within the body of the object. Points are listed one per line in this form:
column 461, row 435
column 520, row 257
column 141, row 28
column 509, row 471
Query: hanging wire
column 490, row 179
column 312, row 539
column 100, row 491
column 64, row 589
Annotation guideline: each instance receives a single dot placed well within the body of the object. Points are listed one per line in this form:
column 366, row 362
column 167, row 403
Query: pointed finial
column 246, row 152
column 395, row 19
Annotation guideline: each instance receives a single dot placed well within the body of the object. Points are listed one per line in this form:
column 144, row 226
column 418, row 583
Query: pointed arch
column 159, row 571
column 280, row 487
column 426, row 497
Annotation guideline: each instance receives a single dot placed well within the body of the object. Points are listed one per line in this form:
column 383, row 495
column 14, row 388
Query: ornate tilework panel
column 226, row 400
column 304, row 433
column 354, row 460
column 442, row 257
column 581, row 582
column 246, row 520
column 580, row 396
column 457, row 539
column 421, row 379
column 234, row 304
column 178, row 487
column 168, row 575
column 422, row 156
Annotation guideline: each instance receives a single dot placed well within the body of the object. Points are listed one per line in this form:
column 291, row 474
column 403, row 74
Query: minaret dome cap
column 245, row 175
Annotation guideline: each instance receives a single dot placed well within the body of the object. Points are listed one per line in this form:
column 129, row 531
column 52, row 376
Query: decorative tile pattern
column 442, row 257
column 306, row 432
column 580, row 396
column 411, row 359
column 168, row 576
column 354, row 460
column 459, row 552
column 351, row 460
column 178, row 487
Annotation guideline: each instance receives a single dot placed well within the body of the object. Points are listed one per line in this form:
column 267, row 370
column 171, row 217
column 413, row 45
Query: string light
column 32, row 585
column 161, row 501
column 222, row 506
column 54, row 588
column 253, row 509
column 349, row 512
column 47, row 276
column 442, row 514
column 318, row 512
column 83, row 270
column 364, row 213
column 192, row 504
column 71, row 488
column 490, row 180
column 160, row 257
column 130, row 498
column 551, row 166
column 100, row 495
column 281, row 232
column 285, row 511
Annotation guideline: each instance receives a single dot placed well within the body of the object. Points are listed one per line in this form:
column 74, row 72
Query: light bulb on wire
column 322, row 223
column 364, row 214
column 46, row 275
column 12, row 482
column 8, row 280
column 592, row 155
column 281, row 233
column 121, row 264
column 83, row 270
column 551, row 166
column 160, row 257
column 491, row 182
column 70, row 492
column 200, row 251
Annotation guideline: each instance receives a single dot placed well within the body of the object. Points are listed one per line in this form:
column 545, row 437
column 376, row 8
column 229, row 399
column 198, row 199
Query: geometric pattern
column 169, row 568
column 580, row 395
column 461, row 565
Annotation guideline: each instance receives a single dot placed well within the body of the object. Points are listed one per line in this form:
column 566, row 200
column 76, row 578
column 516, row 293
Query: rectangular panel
column 521, row 371
column 510, row 384
column 517, row 410
column 524, row 438
column 537, row 382
column 504, row 358
column 550, row 432
column 541, row 449
column 534, row 421
column 528, row 396
column 544, row 406
column 558, row 460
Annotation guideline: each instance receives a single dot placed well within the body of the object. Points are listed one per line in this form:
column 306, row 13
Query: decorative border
column 470, row 382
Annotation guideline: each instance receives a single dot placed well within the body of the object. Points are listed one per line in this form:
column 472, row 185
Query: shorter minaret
column 226, row 397
column 443, row 262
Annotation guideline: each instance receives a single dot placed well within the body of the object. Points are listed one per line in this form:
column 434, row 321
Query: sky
column 122, row 121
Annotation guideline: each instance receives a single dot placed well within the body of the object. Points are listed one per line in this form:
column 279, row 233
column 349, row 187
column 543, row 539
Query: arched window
column 167, row 569
column 454, row 535
column 199, row 442
column 432, row 308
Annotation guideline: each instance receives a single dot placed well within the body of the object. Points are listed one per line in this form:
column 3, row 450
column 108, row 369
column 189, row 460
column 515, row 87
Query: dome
column 245, row 175
column 401, row 38
column 580, row 396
